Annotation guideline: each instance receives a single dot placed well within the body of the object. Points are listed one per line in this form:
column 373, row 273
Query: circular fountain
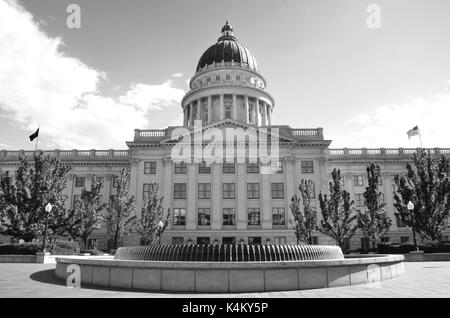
column 230, row 268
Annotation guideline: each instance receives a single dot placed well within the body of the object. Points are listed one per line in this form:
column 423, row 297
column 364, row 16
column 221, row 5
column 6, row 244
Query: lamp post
column 296, row 231
column 48, row 209
column 161, row 226
column 410, row 207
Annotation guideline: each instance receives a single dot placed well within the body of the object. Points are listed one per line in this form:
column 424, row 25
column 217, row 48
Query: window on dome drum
column 228, row 109
column 359, row 199
column 253, row 167
column 384, row 239
column 177, row 240
column 228, row 77
column 75, row 199
column 307, row 167
column 254, row 240
column 399, row 221
column 228, row 167
column 279, row 240
column 404, row 239
column 217, row 77
column 277, row 190
column 208, row 80
column 201, row 240
column 228, row 191
column 358, row 180
column 204, row 216
column 181, row 168
column 179, row 217
column 204, row 190
column 238, row 77
column 252, row 190
column 203, row 168
column 229, row 216
column 150, row 167
column 251, row 113
column 278, row 216
column 229, row 240
column 79, row 182
column 204, row 113
column 253, row 216
column 179, row 191
column 147, row 189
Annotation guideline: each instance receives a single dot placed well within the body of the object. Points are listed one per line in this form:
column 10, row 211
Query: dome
column 227, row 49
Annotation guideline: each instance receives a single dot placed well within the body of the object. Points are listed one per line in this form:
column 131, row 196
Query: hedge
column 405, row 248
column 55, row 248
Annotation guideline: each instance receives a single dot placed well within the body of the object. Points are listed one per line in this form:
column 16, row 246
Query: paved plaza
column 422, row 279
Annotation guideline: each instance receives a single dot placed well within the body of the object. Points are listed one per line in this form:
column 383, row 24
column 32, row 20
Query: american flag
column 413, row 131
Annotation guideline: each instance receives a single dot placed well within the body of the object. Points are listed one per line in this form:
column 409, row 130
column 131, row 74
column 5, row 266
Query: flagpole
column 37, row 140
column 420, row 138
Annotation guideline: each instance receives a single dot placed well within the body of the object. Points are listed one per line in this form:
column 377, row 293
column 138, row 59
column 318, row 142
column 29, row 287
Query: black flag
column 34, row 135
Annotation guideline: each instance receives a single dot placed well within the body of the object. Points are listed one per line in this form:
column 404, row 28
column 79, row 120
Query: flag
column 34, row 135
column 413, row 132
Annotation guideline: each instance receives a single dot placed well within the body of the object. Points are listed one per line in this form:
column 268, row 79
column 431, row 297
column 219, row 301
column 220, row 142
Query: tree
column 25, row 196
column 88, row 213
column 374, row 222
column 338, row 218
column 152, row 223
column 427, row 185
column 121, row 213
column 305, row 222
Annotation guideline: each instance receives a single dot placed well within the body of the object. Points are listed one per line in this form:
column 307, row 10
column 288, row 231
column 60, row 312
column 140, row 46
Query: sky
column 129, row 63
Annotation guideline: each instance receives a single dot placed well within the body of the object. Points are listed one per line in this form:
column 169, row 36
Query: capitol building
column 230, row 202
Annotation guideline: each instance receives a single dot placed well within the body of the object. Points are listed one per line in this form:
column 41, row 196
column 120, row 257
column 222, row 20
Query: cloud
column 388, row 124
column 177, row 75
column 42, row 86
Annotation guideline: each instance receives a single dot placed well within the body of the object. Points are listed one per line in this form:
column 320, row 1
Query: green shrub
column 20, row 249
column 393, row 248
column 63, row 248
column 93, row 252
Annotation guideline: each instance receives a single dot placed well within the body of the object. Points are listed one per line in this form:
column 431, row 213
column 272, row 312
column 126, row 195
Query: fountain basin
column 232, row 277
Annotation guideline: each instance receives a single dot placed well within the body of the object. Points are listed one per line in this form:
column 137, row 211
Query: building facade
column 233, row 201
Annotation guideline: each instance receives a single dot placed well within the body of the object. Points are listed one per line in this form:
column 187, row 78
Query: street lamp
column 410, row 207
column 48, row 209
column 161, row 226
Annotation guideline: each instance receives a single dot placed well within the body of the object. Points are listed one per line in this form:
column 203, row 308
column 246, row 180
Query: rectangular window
column 253, row 167
column 150, row 167
column 277, row 190
column 358, row 180
column 228, row 77
column 278, row 216
column 179, row 191
column 365, row 243
column 75, row 199
column 208, row 80
column 204, row 216
column 359, row 199
column 100, row 180
column 404, row 239
column 147, row 189
column 115, row 181
column 253, row 216
column 307, row 167
column 399, row 221
column 204, row 190
column 229, row 216
column 217, row 77
column 177, row 240
column 238, row 77
column 229, row 240
column 179, row 217
column 228, row 191
column 252, row 190
column 228, row 167
column 228, row 109
column 279, row 240
column 203, row 168
column 384, row 239
column 315, row 240
column 181, row 168
column 202, row 240
column 254, row 240
column 79, row 182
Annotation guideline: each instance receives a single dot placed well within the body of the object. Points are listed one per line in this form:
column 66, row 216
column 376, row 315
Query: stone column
column 266, row 198
column 191, row 197
column 241, row 211
column 257, row 112
column 191, row 115
column 269, row 114
column 184, row 116
column 167, row 163
column 234, row 107
column 209, row 108
column 247, row 120
column 291, row 183
column 199, row 109
column 264, row 113
column 216, row 196
column 222, row 106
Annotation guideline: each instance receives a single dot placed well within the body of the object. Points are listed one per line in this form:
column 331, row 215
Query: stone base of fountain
column 231, row 276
